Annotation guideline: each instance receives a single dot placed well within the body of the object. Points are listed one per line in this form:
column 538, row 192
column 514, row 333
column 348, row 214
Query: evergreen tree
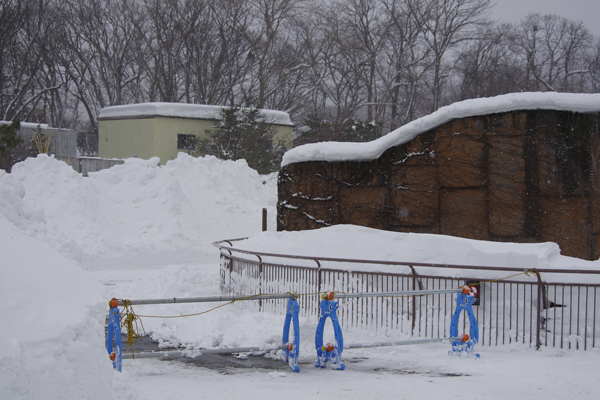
column 9, row 142
column 320, row 130
column 243, row 133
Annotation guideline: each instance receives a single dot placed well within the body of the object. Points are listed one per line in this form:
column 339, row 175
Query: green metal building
column 163, row 130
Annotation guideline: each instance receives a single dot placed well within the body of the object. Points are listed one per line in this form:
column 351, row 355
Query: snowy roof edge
column 366, row 151
column 27, row 125
column 180, row 110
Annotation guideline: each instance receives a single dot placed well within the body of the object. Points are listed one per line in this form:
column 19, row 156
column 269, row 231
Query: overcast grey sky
column 587, row 11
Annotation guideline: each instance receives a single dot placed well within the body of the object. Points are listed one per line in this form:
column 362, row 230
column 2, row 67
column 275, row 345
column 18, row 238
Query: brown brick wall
column 506, row 186
column 463, row 212
column 565, row 221
column 414, row 194
column 523, row 176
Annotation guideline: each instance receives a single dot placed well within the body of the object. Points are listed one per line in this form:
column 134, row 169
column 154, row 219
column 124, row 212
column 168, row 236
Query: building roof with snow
column 179, row 110
column 27, row 125
column 337, row 151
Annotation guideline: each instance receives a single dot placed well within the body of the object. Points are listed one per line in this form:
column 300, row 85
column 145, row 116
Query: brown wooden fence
column 533, row 309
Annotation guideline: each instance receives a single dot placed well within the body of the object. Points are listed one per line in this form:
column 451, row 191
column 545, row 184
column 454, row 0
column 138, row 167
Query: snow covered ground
column 138, row 230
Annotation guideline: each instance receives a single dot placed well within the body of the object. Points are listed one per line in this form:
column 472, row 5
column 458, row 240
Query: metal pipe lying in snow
column 399, row 343
column 196, row 353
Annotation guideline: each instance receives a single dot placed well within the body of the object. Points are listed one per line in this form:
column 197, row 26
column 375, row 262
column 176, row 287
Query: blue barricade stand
column 464, row 302
column 114, row 333
column 329, row 352
column 289, row 354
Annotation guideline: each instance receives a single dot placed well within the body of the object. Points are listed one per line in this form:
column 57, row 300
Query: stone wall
column 521, row 176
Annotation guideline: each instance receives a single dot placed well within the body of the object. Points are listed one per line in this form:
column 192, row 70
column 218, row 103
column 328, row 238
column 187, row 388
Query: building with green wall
column 162, row 130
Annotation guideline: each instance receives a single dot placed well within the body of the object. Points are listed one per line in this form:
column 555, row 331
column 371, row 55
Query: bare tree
column 332, row 64
column 339, row 94
column 406, row 57
column 594, row 63
column 554, row 50
column 171, row 24
column 274, row 63
column 486, row 67
column 26, row 30
column 313, row 49
column 446, row 23
column 364, row 36
column 102, row 41
column 218, row 59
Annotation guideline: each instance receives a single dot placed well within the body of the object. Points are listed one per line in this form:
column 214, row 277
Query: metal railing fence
column 526, row 310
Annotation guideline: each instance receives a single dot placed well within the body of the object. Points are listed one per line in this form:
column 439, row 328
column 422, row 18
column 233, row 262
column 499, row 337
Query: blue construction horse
column 290, row 351
column 464, row 302
column 114, row 333
column 330, row 352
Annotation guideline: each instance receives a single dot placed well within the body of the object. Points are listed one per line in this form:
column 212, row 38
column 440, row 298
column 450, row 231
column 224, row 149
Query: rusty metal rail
column 532, row 310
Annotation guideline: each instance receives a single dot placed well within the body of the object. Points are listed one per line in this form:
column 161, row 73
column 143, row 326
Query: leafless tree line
column 388, row 61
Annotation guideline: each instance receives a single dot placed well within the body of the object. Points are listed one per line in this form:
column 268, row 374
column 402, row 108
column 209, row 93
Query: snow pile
column 138, row 213
column 361, row 243
column 52, row 325
column 53, row 221
column 336, row 151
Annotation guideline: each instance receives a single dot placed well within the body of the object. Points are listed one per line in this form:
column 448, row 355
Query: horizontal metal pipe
column 399, row 343
column 176, row 300
column 402, row 293
column 196, row 353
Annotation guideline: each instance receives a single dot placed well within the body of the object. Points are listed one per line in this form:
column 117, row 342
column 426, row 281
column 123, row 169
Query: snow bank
column 53, row 221
column 139, row 212
column 336, row 151
column 52, row 326
column 356, row 242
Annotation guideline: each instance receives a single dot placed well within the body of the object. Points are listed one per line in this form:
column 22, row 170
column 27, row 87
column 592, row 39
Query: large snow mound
column 52, row 326
column 138, row 212
column 337, row 151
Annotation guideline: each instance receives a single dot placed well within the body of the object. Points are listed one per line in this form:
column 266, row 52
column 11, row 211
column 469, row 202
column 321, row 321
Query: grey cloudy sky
column 587, row 11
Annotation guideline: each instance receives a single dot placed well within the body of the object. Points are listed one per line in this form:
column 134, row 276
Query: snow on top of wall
column 365, row 151
column 27, row 125
column 180, row 110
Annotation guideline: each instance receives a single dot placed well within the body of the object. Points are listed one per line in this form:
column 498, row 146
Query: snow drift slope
column 54, row 221
column 52, row 326
column 138, row 211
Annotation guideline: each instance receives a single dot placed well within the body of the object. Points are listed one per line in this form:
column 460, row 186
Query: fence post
column 541, row 298
column 318, row 276
column 260, row 279
column 414, row 299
